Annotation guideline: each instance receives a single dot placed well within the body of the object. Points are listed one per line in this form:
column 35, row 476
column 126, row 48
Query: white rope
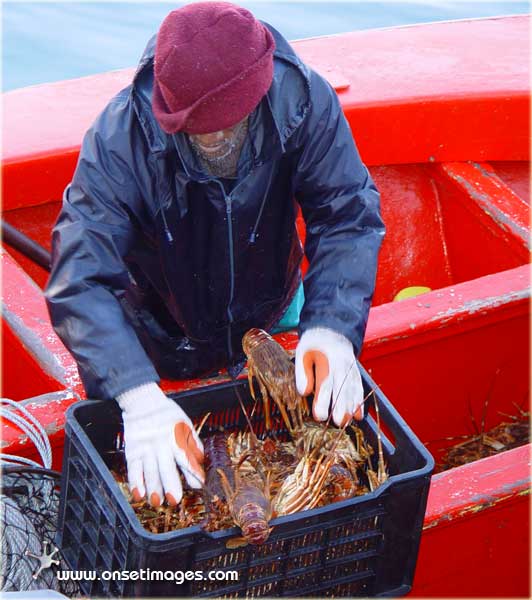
column 32, row 428
column 18, row 534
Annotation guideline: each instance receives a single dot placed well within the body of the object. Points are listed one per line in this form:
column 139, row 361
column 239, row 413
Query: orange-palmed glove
column 326, row 365
column 159, row 436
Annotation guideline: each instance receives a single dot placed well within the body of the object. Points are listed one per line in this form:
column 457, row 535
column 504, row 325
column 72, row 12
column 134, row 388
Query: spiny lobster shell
column 270, row 364
column 269, row 359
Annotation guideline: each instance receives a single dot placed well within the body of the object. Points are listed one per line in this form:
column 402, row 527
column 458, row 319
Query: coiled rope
column 29, row 505
column 32, row 428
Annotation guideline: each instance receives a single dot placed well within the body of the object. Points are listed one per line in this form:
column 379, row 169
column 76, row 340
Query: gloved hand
column 325, row 363
column 158, row 434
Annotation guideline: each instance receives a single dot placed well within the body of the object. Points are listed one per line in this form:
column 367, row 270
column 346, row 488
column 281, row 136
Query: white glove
column 158, row 434
column 326, row 364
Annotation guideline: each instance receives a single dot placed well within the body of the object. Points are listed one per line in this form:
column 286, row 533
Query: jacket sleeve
column 341, row 208
column 94, row 231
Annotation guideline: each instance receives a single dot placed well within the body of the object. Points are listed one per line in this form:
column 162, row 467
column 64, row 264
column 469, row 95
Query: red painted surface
column 411, row 211
column 23, row 374
column 516, row 175
column 36, row 222
column 402, row 323
column 478, row 485
column 24, row 313
column 486, row 192
column 428, row 92
column 49, row 410
column 420, row 94
column 476, row 538
column 486, row 555
column 40, row 177
column 417, row 93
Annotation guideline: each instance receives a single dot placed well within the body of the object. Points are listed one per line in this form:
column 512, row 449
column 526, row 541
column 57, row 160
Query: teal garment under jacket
column 290, row 319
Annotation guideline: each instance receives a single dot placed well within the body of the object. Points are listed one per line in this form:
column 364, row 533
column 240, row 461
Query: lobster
column 249, row 505
column 271, row 366
column 217, row 462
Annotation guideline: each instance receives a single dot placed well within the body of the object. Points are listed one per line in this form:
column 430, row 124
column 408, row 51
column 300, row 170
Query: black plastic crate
column 365, row 546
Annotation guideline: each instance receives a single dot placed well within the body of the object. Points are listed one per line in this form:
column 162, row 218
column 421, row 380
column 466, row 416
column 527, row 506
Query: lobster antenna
column 345, row 378
column 344, row 426
column 381, row 470
column 338, row 395
column 202, row 423
column 334, row 404
column 241, row 402
column 339, row 434
column 488, row 397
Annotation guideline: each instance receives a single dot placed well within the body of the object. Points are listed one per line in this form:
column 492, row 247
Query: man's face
column 218, row 144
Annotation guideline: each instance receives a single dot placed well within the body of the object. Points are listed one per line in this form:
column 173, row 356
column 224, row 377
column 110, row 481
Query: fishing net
column 29, row 506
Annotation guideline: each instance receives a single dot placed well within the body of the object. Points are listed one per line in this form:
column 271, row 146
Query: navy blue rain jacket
column 159, row 269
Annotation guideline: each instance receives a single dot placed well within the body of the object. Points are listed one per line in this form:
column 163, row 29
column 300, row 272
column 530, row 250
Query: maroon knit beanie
column 213, row 64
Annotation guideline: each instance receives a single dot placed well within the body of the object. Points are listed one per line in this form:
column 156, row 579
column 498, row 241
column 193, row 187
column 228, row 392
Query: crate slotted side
column 365, row 546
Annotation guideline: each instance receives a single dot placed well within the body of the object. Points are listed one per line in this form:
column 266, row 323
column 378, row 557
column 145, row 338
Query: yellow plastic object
column 410, row 292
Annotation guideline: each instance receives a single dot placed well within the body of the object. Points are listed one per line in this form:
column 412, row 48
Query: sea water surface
column 49, row 41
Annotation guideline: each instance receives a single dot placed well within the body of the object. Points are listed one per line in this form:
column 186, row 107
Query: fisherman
column 177, row 233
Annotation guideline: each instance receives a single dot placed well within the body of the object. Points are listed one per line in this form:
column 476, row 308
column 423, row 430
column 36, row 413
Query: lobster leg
column 265, row 402
column 250, row 381
column 226, row 486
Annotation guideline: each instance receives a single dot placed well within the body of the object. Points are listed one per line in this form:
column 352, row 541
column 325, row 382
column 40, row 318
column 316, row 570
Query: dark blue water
column 49, row 41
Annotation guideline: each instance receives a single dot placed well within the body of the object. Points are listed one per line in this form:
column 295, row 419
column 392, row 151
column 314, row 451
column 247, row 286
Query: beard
column 224, row 162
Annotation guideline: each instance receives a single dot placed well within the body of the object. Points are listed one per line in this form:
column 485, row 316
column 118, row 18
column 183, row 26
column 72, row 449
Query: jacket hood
column 288, row 97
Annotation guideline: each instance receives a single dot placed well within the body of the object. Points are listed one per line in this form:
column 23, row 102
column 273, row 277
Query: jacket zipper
column 228, row 211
